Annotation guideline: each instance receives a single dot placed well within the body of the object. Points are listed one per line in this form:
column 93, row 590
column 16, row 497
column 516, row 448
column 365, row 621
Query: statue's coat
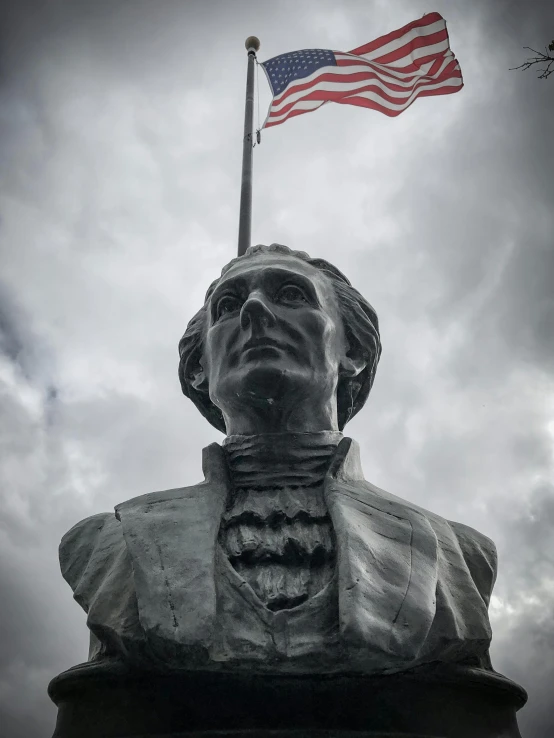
column 413, row 588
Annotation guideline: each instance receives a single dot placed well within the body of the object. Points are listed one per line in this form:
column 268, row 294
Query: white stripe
column 441, row 47
column 345, row 71
column 271, row 88
column 305, row 104
column 387, row 69
column 393, row 78
column 398, row 77
column 301, row 105
column 423, row 71
column 329, row 86
column 435, row 49
column 309, row 78
column 398, row 43
column 375, row 65
column 456, row 82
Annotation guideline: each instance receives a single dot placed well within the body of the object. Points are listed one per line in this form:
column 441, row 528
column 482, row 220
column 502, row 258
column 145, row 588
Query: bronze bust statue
column 285, row 563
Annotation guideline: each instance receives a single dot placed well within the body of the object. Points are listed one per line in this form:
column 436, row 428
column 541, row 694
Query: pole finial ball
column 252, row 42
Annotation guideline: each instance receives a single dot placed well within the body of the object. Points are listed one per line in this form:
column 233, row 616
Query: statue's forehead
column 262, row 264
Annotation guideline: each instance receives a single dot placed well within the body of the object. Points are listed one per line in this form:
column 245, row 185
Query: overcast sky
column 120, row 152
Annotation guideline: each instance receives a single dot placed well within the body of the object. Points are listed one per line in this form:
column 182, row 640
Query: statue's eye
column 227, row 305
column 291, row 293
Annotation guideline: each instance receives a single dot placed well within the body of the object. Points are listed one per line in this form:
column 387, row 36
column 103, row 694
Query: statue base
column 436, row 701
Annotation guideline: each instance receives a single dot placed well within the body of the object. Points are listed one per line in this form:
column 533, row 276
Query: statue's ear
column 352, row 363
column 197, row 376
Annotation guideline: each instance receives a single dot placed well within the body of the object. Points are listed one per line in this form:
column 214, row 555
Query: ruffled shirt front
column 276, row 531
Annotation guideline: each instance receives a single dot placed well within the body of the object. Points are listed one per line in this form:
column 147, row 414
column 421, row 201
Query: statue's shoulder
column 93, row 538
column 476, row 549
column 473, row 544
column 470, row 538
column 86, row 533
column 216, row 474
column 402, row 504
column 480, row 556
column 101, row 536
column 149, row 500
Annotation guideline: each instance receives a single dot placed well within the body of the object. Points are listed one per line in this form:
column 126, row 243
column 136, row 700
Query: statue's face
column 274, row 335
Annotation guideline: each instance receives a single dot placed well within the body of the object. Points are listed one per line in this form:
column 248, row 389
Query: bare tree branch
column 540, row 58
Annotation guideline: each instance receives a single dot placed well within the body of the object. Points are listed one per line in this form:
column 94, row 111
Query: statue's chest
column 247, row 631
column 281, row 542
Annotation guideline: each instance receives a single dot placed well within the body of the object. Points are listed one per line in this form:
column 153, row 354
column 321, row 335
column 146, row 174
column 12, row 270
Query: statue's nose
column 256, row 312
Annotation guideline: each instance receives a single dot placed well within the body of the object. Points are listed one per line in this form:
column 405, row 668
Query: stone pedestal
column 112, row 702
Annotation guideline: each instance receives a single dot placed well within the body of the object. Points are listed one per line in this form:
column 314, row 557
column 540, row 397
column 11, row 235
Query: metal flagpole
column 245, row 217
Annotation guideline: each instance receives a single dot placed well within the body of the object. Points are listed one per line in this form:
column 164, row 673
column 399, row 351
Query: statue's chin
column 264, row 386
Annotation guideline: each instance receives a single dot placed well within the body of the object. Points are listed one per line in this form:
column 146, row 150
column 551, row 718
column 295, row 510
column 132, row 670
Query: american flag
column 387, row 74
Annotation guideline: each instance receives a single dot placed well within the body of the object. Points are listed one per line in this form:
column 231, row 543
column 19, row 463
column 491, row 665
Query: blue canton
column 287, row 68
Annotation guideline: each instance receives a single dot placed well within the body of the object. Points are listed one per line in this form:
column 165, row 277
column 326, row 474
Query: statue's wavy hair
column 361, row 328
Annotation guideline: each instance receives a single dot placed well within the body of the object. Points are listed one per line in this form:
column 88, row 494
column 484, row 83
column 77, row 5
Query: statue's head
column 284, row 336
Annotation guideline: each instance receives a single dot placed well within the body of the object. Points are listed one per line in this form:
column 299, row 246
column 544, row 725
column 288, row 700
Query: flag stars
column 292, row 67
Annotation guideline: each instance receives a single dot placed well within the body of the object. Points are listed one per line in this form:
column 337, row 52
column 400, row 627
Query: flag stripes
column 387, row 74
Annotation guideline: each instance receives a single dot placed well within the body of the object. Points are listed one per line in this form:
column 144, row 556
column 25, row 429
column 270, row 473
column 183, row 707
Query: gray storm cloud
column 120, row 148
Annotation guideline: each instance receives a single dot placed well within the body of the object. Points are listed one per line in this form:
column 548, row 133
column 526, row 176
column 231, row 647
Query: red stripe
column 416, row 43
column 407, row 69
column 416, row 92
column 290, row 115
column 421, row 62
column 380, row 69
column 354, row 77
column 352, row 62
column 304, row 86
column 328, row 77
column 436, row 66
column 363, row 102
column 342, row 95
column 360, row 77
column 386, row 59
column 397, row 72
column 427, row 20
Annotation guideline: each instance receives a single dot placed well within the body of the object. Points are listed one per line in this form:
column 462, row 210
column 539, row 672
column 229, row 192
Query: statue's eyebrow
column 299, row 279
column 240, row 284
column 233, row 284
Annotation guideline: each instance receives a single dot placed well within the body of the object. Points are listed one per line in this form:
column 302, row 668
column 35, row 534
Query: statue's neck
column 277, row 460
column 303, row 412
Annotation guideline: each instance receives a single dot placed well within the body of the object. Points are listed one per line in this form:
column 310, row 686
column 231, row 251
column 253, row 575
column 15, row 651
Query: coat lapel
column 387, row 561
column 171, row 537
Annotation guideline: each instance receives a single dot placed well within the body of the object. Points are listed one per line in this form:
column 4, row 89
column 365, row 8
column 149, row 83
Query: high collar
column 345, row 463
column 280, row 460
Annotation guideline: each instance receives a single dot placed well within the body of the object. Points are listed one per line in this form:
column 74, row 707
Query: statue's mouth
column 263, row 343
